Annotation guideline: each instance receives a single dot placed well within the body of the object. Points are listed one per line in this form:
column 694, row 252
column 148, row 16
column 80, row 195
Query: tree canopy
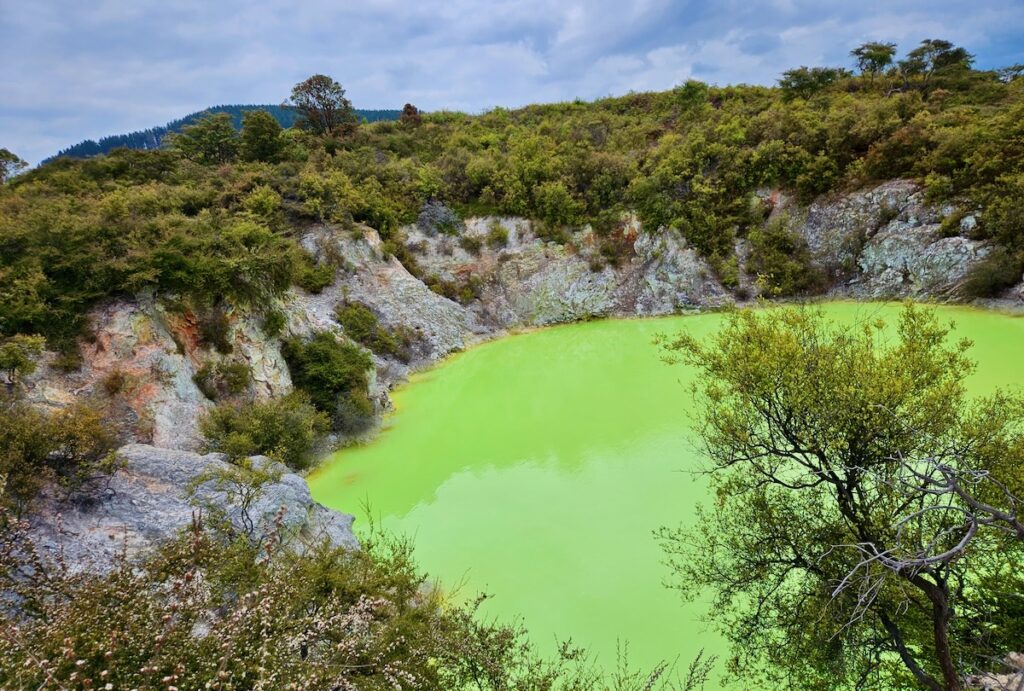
column 867, row 512
column 322, row 105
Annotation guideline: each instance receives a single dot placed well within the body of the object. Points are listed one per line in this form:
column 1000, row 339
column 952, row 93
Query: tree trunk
column 941, row 614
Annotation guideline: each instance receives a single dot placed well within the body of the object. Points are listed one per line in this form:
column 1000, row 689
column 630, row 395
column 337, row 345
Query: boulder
column 147, row 503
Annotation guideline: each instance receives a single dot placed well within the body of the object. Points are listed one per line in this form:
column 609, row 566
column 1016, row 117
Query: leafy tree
column 804, row 82
column 867, row 514
column 410, row 116
column 18, row 356
column 932, row 56
column 873, row 57
column 322, row 105
column 10, row 165
column 260, row 139
column 213, row 139
column 73, row 447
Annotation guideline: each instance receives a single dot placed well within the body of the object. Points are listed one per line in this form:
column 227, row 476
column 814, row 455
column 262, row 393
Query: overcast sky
column 77, row 69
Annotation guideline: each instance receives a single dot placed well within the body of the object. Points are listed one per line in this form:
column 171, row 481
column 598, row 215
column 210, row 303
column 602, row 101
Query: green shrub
column 73, row 447
column 222, row 379
column 285, row 429
column 314, row 277
column 992, row 275
column 274, row 321
column 215, row 329
column 363, row 327
column 470, row 243
column 214, row 609
column 328, row 370
column 497, row 236
column 782, row 261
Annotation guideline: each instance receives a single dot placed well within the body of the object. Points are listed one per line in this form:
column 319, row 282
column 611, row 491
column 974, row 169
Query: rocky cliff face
column 147, row 502
column 884, row 242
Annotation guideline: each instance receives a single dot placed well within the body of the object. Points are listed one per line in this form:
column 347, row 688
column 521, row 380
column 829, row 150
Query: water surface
column 536, row 467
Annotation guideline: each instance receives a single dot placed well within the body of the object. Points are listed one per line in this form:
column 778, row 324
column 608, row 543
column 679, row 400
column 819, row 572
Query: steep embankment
column 883, row 242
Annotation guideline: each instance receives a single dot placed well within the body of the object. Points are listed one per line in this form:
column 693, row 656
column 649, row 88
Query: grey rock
column 148, row 504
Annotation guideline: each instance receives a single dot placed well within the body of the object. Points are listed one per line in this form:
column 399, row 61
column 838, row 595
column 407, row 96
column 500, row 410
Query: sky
column 77, row 69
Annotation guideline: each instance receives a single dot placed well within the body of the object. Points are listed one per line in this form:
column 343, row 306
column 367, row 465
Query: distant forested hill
column 151, row 138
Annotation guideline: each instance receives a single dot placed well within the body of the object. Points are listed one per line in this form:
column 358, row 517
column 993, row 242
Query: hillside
column 151, row 138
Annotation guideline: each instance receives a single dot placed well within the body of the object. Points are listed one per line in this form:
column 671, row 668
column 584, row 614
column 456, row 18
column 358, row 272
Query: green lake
column 536, row 467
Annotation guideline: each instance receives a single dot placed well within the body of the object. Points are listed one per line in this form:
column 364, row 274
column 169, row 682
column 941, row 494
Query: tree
column 322, row 106
column 213, row 139
column 866, row 515
column 804, row 82
column 410, row 115
column 260, row 139
column 873, row 57
column 18, row 356
column 1008, row 74
column 10, row 165
column 934, row 56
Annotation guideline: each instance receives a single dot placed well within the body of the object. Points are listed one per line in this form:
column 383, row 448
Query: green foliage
column 212, row 139
column 223, row 379
column 18, row 355
column 781, row 260
column 73, row 447
column 322, row 106
column 285, row 429
column 804, row 82
column 214, row 327
column 274, row 321
column 10, row 165
column 873, row 57
column 858, row 491
column 993, row 275
column 260, row 138
column 363, row 327
column 333, row 374
column 74, row 233
column 216, row 609
column 497, row 236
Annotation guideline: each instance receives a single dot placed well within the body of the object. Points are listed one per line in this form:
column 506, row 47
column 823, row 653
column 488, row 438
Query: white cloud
column 74, row 70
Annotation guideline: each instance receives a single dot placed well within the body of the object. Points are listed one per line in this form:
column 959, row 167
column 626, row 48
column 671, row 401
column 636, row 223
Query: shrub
column 497, row 236
column 313, row 277
column 285, row 429
column 18, row 355
column 215, row 329
column 274, row 321
column 992, row 275
column 363, row 327
column 782, row 260
column 471, row 243
column 222, row 379
column 215, row 609
column 328, row 370
column 73, row 447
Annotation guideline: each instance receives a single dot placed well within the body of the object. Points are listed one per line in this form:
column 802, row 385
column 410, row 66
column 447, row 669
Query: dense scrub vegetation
column 220, row 610
column 214, row 217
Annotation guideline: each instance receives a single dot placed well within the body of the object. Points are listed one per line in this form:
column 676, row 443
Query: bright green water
column 536, row 467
